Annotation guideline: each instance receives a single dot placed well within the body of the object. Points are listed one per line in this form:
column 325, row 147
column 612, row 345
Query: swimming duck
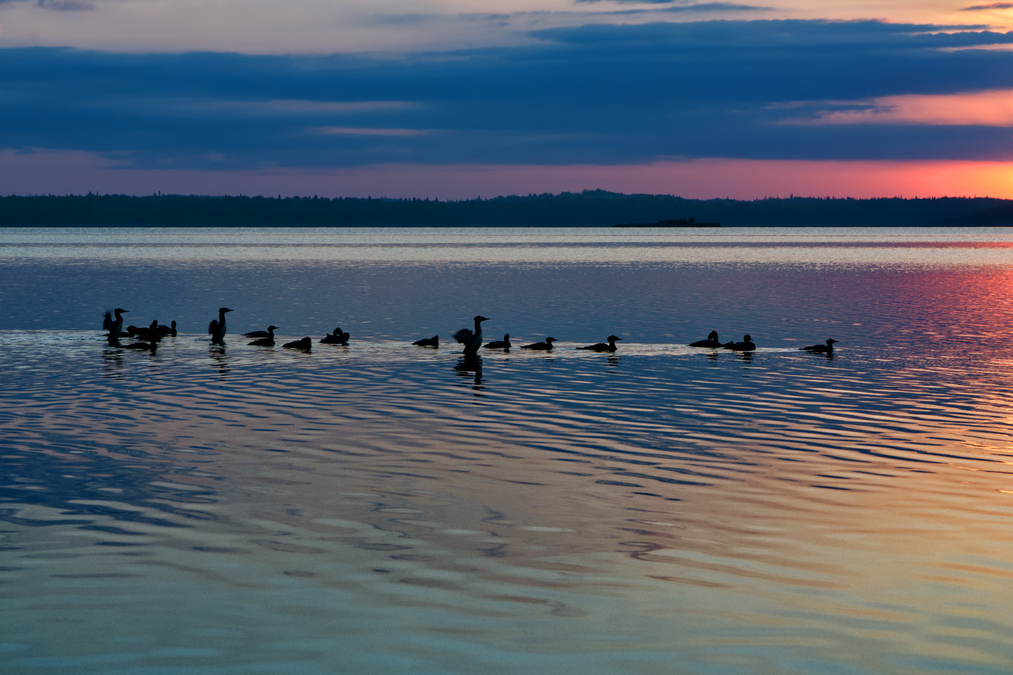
column 260, row 333
column 828, row 348
column 711, row 341
column 267, row 341
column 499, row 344
column 216, row 329
column 338, row 337
column 306, row 344
column 167, row 330
column 543, row 346
column 434, row 341
column 149, row 334
column 471, row 340
column 745, row 346
column 602, row 347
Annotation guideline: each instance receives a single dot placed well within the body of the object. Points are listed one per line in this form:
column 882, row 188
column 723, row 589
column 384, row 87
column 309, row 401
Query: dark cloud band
column 597, row 94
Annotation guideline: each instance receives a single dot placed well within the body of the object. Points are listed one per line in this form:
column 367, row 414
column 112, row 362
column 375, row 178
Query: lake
column 383, row 508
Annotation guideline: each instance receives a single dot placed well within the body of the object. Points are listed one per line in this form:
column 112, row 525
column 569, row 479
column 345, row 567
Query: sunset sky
column 459, row 98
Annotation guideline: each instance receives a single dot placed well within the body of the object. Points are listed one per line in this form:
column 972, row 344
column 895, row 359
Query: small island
column 680, row 222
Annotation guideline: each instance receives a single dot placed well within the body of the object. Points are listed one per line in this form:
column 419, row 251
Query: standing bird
column 434, row 341
column 337, row 337
column 471, row 340
column 499, row 344
column 828, row 348
column 306, row 344
column 116, row 327
column 267, row 341
column 543, row 346
column 745, row 346
column 602, row 347
column 711, row 341
column 216, row 329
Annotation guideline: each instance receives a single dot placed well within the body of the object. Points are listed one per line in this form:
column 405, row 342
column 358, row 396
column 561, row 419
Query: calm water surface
column 381, row 508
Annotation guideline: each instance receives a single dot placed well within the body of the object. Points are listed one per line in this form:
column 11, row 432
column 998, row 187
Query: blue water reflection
column 385, row 508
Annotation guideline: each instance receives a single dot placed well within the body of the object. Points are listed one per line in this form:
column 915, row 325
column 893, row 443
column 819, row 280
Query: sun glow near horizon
column 458, row 99
column 714, row 178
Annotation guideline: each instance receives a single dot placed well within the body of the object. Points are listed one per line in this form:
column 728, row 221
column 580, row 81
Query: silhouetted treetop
column 568, row 209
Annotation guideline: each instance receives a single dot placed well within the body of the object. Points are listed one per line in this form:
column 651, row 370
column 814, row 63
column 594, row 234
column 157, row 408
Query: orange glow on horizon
column 56, row 172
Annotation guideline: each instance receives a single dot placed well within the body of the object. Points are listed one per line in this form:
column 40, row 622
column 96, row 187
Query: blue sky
column 603, row 92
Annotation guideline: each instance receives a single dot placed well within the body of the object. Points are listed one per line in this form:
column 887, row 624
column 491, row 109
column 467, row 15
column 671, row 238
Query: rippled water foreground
column 381, row 508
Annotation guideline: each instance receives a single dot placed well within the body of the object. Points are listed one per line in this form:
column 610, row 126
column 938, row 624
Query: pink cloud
column 985, row 108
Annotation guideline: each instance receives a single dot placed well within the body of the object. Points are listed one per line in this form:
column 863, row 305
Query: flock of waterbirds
column 147, row 338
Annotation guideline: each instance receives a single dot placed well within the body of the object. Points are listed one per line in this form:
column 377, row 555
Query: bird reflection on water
column 471, row 364
column 112, row 363
column 217, row 354
column 149, row 347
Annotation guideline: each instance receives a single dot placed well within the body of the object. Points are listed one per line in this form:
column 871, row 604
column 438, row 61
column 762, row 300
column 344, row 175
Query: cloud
column 994, row 5
column 682, row 6
column 58, row 5
column 717, row 7
column 593, row 94
column 67, row 5
column 369, row 131
column 314, row 107
column 985, row 108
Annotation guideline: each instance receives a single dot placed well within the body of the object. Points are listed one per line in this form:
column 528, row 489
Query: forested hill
column 588, row 208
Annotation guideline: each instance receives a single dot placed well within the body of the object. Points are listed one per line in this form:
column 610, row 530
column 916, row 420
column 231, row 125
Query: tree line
column 597, row 208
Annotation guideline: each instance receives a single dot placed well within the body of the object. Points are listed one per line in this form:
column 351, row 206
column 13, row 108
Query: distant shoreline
column 591, row 208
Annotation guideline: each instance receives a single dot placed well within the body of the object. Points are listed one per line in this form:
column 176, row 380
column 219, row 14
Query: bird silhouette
column 306, row 344
column 216, row 329
column 338, row 337
column 499, row 344
column 602, row 347
column 471, row 340
column 745, row 346
column 116, row 327
column 545, row 346
column 267, row 340
column 828, row 348
column 711, row 341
